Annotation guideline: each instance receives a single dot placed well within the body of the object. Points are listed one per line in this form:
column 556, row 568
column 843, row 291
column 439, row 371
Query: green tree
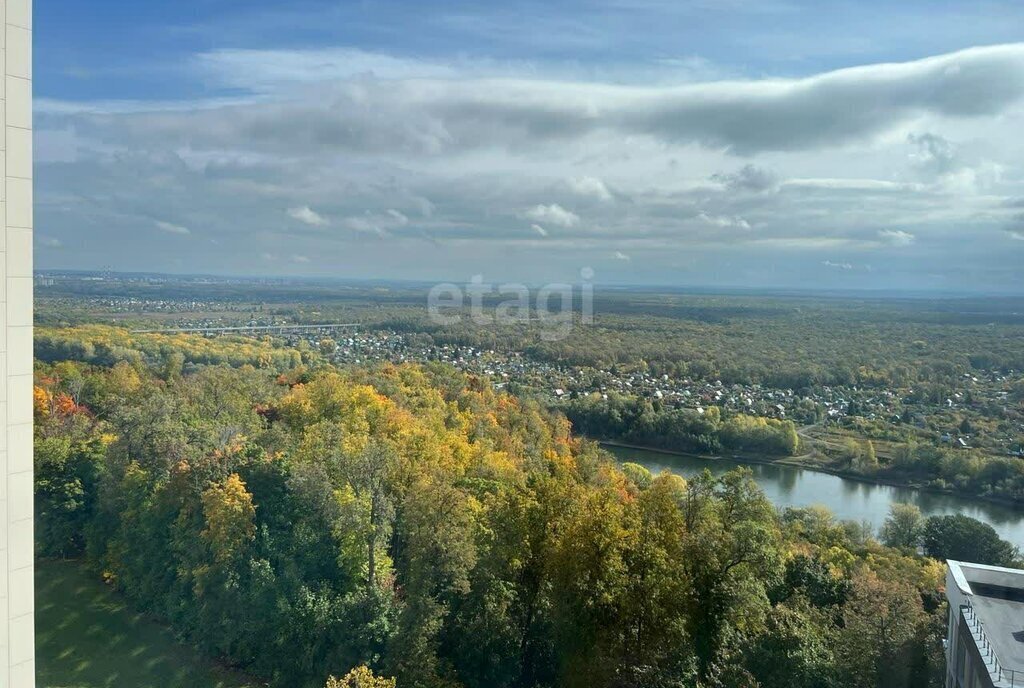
column 66, row 477
column 794, row 651
column 903, row 527
column 966, row 539
column 640, row 476
column 812, row 579
column 174, row 362
column 730, row 558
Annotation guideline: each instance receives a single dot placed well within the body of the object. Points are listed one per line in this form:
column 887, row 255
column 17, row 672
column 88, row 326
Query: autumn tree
column 360, row 677
column 368, row 472
column 879, row 623
column 414, row 519
column 229, row 513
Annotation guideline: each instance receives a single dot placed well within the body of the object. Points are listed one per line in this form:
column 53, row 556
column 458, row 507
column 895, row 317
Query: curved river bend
column 847, row 499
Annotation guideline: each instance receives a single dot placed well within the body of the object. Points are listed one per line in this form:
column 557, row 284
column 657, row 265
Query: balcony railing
column 1002, row 678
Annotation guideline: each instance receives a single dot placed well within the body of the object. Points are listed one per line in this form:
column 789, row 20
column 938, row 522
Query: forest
column 316, row 526
column 639, row 421
column 922, row 353
column 786, row 340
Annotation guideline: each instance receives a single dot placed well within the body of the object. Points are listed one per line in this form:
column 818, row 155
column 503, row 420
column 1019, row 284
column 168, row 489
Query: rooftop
column 997, row 596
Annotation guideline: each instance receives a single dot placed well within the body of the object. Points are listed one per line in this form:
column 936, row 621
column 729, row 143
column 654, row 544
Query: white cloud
column 172, row 228
column 398, row 216
column 553, row 214
column 296, row 258
column 266, row 70
column 826, row 172
column 851, row 184
column 1017, row 235
column 590, row 186
column 361, row 224
column 366, row 225
column 723, row 221
column 304, row 213
column 839, row 266
column 384, row 225
column 896, row 237
column 433, row 115
column 619, row 255
column 49, row 242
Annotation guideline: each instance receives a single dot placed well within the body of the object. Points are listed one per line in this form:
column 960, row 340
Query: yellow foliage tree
column 360, row 677
column 230, row 517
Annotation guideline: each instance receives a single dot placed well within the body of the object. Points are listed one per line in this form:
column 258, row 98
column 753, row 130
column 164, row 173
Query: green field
column 87, row 637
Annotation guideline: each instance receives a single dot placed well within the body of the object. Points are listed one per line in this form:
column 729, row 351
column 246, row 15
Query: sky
column 743, row 143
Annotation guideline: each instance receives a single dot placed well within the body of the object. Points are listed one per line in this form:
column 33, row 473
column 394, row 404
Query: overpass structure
column 253, row 330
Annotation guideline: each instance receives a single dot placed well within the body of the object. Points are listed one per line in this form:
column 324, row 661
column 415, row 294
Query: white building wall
column 957, row 593
column 17, row 630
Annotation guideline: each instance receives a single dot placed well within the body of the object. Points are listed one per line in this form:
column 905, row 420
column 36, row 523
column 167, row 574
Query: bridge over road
column 322, row 328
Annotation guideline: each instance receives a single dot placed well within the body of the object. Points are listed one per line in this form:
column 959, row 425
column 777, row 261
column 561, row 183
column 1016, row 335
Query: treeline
column 636, row 420
column 782, row 341
column 948, row 537
column 791, row 349
column 412, row 520
column 104, row 345
column 945, row 468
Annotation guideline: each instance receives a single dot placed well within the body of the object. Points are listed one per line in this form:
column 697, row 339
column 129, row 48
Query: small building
column 985, row 631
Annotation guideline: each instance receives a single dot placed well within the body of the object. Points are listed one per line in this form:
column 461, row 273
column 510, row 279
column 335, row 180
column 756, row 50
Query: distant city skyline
column 778, row 144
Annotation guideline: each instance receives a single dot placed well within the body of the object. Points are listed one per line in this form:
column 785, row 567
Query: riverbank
column 800, row 462
column 788, row 485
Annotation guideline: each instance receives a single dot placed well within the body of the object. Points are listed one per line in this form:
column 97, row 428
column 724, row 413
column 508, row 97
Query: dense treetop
column 309, row 522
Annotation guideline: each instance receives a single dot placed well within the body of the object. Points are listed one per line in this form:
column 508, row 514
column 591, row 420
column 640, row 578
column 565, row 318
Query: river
column 847, row 499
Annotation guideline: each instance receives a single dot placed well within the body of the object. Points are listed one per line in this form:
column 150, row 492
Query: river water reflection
column 847, row 499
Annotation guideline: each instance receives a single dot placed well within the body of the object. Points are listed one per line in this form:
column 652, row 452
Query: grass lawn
column 88, row 637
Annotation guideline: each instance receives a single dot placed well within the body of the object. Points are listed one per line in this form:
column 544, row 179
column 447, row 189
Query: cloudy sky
column 760, row 143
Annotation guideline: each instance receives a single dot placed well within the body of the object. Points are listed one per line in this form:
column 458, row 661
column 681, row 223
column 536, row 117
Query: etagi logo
column 553, row 305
